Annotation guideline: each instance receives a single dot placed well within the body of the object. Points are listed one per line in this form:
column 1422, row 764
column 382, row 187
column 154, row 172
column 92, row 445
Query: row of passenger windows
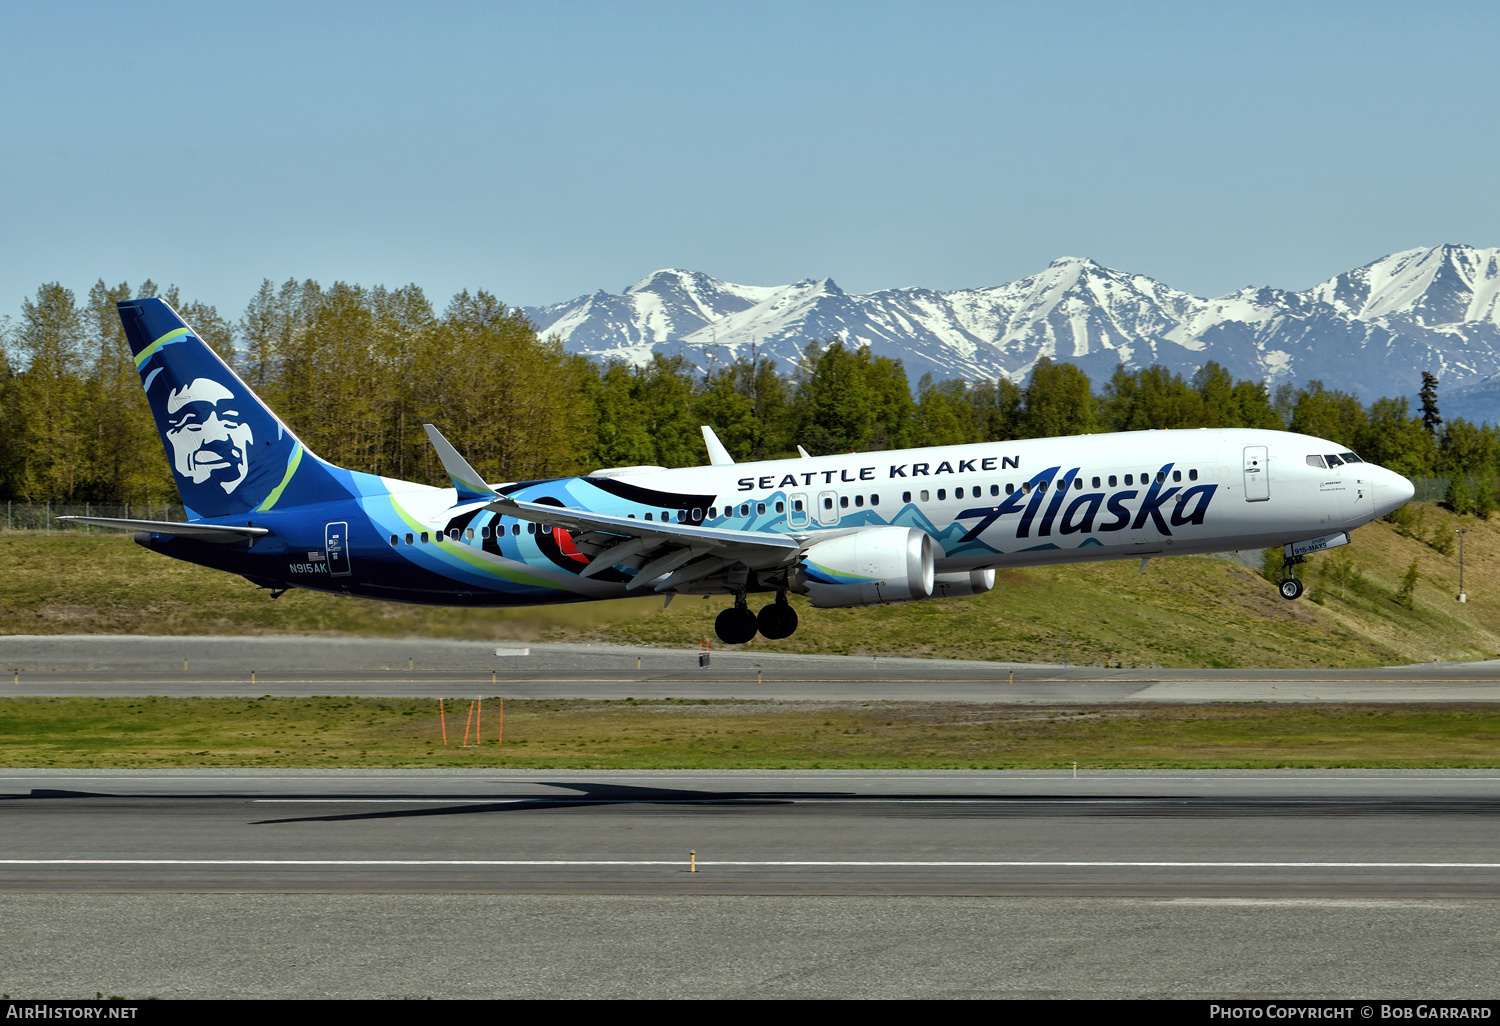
column 1113, row 480
column 859, row 501
column 467, row 534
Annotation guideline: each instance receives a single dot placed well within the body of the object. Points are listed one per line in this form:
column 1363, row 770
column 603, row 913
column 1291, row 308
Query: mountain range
column 1371, row 331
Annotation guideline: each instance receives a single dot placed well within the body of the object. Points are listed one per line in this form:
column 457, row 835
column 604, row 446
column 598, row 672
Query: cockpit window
column 1349, row 457
column 1316, row 461
column 1334, row 461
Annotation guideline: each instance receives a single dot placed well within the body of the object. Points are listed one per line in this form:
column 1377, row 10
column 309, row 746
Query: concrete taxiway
column 87, row 665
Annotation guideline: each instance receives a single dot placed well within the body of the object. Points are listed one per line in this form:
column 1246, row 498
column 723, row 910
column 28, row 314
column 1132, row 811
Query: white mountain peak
column 1371, row 330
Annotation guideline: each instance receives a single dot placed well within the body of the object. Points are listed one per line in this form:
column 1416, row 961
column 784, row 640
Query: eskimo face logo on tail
column 209, row 437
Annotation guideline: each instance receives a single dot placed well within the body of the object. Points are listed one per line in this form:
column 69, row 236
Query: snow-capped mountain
column 1371, row 331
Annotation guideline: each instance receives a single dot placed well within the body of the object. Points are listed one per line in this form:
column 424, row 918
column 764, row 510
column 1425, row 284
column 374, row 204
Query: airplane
column 843, row 530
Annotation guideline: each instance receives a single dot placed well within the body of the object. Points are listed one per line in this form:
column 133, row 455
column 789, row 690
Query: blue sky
column 546, row 150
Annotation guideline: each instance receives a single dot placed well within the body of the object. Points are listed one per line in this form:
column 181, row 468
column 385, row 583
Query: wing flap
column 752, row 548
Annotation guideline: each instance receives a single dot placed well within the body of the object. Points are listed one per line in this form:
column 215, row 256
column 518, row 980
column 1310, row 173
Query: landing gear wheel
column 777, row 621
column 1291, row 588
column 736, row 625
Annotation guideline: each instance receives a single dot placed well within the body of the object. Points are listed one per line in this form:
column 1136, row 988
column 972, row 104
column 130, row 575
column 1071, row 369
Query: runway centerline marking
column 813, row 863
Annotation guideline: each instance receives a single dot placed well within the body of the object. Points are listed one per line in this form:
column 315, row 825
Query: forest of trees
column 356, row 372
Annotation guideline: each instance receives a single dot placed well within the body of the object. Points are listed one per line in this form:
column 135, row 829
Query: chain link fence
column 22, row 515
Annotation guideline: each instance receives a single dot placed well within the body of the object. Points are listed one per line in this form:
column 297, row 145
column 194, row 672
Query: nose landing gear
column 1290, row 587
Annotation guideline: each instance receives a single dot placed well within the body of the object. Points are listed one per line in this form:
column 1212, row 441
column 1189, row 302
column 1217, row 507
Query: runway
column 681, row 884
column 843, row 884
column 79, row 665
column 1172, row 833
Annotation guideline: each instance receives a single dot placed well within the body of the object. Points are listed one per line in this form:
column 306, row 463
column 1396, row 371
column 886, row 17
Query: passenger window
column 994, row 489
column 1128, row 479
column 958, row 493
column 546, row 528
column 906, row 496
column 1096, row 482
column 843, row 502
column 781, row 507
column 408, row 539
column 828, row 502
column 874, row 500
column 648, row 516
column 1192, row 475
column 1176, row 475
column 1009, row 488
column 515, row 529
column 424, row 537
column 1112, row 481
column 924, row 495
column 760, row 508
column 859, row 500
column 797, row 505
column 744, row 509
column 942, row 494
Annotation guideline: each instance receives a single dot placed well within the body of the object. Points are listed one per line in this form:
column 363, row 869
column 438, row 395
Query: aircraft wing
column 221, row 534
column 674, row 554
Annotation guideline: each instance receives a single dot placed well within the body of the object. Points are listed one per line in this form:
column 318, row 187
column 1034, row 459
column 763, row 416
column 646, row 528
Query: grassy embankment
column 1179, row 612
column 351, row 733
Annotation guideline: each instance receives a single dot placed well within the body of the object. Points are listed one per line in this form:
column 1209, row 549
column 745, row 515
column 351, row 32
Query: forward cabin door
column 1257, row 474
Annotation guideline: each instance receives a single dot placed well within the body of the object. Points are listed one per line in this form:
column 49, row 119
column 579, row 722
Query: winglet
column 718, row 456
column 468, row 482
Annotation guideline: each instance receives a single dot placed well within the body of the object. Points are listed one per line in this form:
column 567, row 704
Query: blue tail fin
column 229, row 453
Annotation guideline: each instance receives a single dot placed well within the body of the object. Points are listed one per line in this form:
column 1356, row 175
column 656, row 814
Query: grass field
column 678, row 734
column 1180, row 612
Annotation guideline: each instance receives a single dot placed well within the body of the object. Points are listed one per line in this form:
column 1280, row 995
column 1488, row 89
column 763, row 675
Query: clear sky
column 547, row 150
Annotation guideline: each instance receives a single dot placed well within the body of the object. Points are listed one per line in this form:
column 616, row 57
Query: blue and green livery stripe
column 832, row 576
column 150, row 351
column 291, row 468
column 465, row 555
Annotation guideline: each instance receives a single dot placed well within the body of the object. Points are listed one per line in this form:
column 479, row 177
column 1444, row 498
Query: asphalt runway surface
column 676, row 884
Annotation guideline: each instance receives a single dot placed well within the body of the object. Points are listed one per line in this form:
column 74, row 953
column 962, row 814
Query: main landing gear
column 1290, row 587
column 737, row 624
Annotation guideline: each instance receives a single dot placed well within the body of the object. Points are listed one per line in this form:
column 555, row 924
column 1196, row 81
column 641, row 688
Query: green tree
column 50, row 398
column 1057, row 401
column 1430, row 417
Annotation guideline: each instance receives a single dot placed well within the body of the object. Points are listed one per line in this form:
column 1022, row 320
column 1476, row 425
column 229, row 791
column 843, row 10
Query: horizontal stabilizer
column 219, row 534
column 468, row 482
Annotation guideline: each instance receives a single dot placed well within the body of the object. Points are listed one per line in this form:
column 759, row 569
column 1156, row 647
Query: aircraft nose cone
column 1392, row 491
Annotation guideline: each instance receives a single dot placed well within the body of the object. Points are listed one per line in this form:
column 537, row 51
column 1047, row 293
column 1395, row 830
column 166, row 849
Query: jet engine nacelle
column 883, row 564
column 975, row 582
